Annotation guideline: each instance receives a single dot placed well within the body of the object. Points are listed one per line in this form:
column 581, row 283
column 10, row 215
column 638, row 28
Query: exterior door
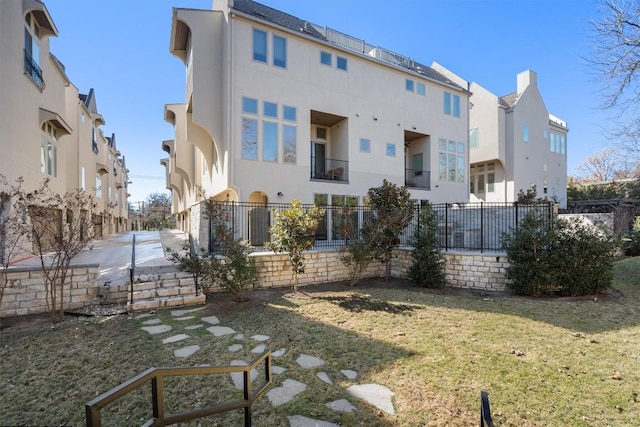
column 318, row 163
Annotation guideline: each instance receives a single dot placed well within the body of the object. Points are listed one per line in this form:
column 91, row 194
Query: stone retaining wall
column 26, row 292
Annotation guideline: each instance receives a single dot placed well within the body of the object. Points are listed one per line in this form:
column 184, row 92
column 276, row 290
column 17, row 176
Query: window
column 473, row 138
column 48, row 150
column 525, row 133
column 391, row 150
column 289, row 144
column 82, row 178
column 270, row 109
column 250, row 105
column 341, row 63
column 269, row 142
column 259, row 45
column 408, row 84
column 321, row 133
column 289, row 113
column 32, row 51
column 279, row 51
column 326, row 58
column 420, row 89
column 451, row 104
column 98, row 186
column 491, row 179
column 94, row 142
column 249, row 139
column 451, row 161
column 365, row 145
column 481, row 183
column 557, row 143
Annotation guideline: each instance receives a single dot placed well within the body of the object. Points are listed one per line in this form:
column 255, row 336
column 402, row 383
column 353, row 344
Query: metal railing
column 485, row 410
column 414, row 178
column 329, row 169
column 32, row 69
column 132, row 267
column 156, row 377
column 193, row 254
column 461, row 226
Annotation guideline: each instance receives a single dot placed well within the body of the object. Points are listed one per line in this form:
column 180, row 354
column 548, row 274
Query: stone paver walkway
column 375, row 394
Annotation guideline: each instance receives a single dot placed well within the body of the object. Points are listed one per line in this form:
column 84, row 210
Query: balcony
column 32, row 69
column 417, row 179
column 324, row 169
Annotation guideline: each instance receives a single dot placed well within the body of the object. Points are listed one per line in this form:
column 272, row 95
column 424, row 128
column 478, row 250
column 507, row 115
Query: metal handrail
column 132, row 266
column 156, row 377
column 34, row 71
column 485, row 410
column 193, row 254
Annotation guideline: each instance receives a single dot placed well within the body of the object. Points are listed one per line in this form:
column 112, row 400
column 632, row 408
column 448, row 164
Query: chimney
column 525, row 79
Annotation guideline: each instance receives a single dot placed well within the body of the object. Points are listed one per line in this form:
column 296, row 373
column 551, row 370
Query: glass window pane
column 473, row 138
column 342, row 63
column 249, row 105
column 325, row 58
column 279, row 51
column 525, row 133
column 442, row 144
column 270, row 109
column 442, row 166
column 480, row 183
column 420, row 89
column 249, row 139
column 460, row 169
column 408, row 84
column 456, row 105
column 289, row 113
column 321, row 199
column 460, row 147
column 365, row 145
column 491, row 182
column 447, row 103
column 391, row 150
column 270, row 142
column 452, row 146
column 259, row 45
column 289, row 144
column 452, row 167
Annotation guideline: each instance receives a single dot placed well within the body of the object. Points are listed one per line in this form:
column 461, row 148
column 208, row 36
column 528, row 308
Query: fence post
column 481, row 227
column 446, row 227
column 516, row 205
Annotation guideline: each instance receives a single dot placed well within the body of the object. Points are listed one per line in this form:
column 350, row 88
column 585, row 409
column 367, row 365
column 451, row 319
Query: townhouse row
column 277, row 108
column 48, row 128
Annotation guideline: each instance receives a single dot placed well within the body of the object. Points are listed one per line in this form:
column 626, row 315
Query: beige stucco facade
column 515, row 143
column 48, row 129
column 312, row 115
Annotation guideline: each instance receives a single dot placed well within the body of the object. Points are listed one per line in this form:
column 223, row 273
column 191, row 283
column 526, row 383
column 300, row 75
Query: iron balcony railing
column 460, row 226
column 329, row 169
column 32, row 69
column 414, row 178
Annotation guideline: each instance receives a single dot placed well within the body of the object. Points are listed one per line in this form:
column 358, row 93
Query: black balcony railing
column 417, row 179
column 32, row 69
column 329, row 169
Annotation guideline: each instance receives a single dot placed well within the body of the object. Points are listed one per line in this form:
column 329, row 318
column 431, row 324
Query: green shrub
column 236, row 270
column 558, row 257
column 356, row 255
column 632, row 240
column 428, row 265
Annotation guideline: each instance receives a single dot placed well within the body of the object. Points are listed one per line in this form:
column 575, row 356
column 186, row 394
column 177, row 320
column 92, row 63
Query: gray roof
column 508, row 101
column 296, row 24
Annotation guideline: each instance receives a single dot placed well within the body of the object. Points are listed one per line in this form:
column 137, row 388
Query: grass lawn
column 544, row 362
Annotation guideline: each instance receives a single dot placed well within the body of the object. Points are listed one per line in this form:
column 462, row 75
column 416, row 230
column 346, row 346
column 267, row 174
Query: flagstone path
column 375, row 394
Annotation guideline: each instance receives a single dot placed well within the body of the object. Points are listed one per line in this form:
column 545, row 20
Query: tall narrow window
column 420, row 89
column 456, row 105
column 451, row 161
column 473, row 138
column 98, row 186
column 289, row 144
column 447, row 103
column 48, row 149
column 259, row 45
column 270, row 142
column 525, row 133
column 249, row 139
column 279, row 51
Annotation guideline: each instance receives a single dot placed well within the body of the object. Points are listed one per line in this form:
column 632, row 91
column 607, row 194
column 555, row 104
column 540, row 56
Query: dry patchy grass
column 545, row 362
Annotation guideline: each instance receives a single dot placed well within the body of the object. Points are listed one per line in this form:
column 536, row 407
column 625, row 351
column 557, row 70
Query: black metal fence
column 461, row 226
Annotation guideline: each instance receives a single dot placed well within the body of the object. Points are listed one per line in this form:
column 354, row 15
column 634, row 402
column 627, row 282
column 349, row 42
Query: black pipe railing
column 329, row 169
column 156, row 377
column 485, row 410
column 132, row 267
column 193, row 255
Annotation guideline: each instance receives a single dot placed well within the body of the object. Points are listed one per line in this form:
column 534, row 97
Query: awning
column 58, row 122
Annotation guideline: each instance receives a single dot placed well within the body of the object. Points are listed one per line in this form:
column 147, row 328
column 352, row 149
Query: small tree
column 13, row 227
column 188, row 260
column 236, row 271
column 60, row 228
column 392, row 213
column 293, row 232
column 428, row 265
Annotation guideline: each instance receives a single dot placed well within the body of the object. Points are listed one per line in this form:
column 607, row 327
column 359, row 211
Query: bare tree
column 600, row 167
column 616, row 61
column 156, row 211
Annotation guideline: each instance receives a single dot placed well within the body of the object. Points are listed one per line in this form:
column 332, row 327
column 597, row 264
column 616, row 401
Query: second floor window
column 259, row 45
column 279, row 51
column 451, row 104
column 32, row 51
column 48, row 150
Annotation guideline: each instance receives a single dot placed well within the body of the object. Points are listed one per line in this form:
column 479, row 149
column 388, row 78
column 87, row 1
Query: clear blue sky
column 121, row 49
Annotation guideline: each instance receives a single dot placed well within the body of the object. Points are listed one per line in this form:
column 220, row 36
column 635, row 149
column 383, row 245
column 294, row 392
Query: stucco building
column 514, row 143
column 48, row 129
column 277, row 108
